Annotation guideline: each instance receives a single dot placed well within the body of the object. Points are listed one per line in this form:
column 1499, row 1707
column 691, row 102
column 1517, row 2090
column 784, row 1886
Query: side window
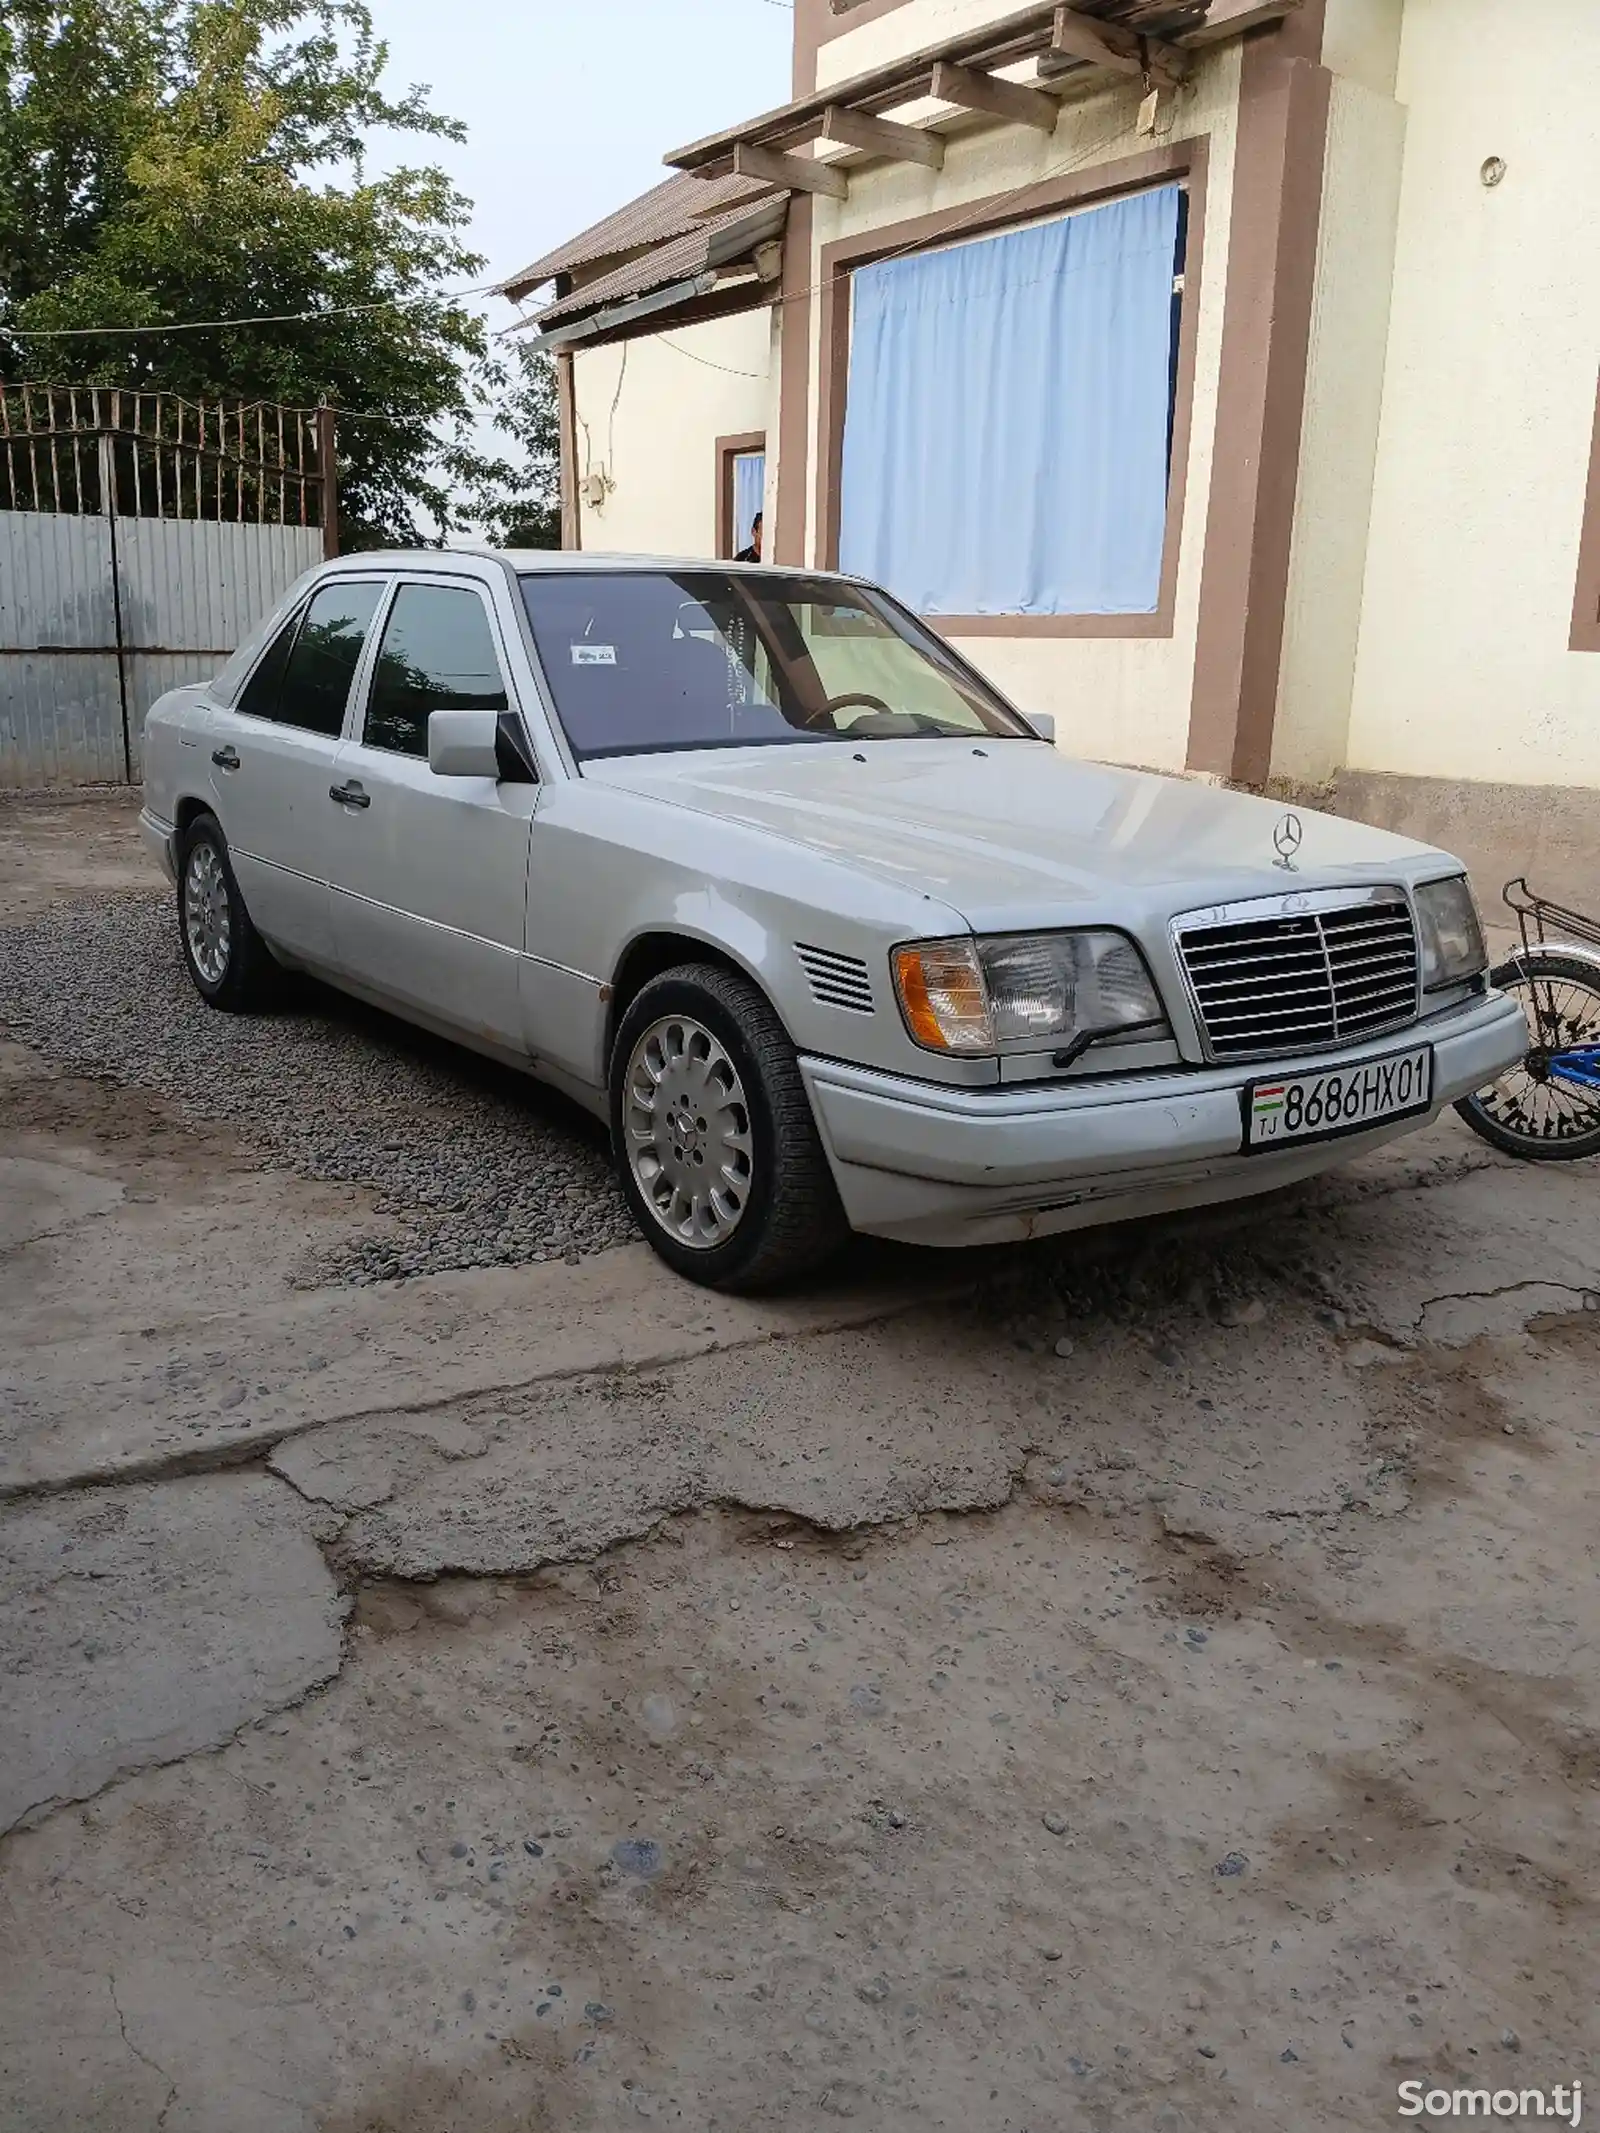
column 320, row 668
column 259, row 698
column 438, row 654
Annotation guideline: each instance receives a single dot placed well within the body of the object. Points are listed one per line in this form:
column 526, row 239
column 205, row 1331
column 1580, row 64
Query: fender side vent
column 837, row 980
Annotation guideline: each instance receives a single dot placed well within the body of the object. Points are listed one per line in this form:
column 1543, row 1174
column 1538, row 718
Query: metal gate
column 141, row 537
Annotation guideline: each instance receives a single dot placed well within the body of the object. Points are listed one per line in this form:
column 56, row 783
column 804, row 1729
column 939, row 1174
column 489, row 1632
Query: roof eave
column 1025, row 33
column 724, row 248
column 570, row 332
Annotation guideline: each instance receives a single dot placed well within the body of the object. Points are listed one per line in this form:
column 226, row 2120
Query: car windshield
column 643, row 661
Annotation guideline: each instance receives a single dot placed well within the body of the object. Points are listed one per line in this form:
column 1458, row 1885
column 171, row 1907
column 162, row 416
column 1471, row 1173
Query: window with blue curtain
column 749, row 486
column 1008, row 416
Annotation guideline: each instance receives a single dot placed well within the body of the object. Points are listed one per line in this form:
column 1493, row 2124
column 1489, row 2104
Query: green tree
column 173, row 160
column 517, row 501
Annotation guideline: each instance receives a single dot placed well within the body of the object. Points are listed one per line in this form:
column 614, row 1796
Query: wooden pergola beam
column 1024, row 32
column 1098, row 44
column 882, row 137
column 1000, row 99
column 798, row 174
column 1076, row 40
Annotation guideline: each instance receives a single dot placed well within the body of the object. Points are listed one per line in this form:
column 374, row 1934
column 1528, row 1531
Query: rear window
column 640, row 662
column 305, row 678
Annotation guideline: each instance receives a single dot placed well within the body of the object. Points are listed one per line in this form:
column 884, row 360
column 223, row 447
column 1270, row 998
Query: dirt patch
column 1205, row 1583
column 66, row 847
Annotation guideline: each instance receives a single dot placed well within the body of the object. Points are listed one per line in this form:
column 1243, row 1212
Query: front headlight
column 1452, row 938
column 1024, row 991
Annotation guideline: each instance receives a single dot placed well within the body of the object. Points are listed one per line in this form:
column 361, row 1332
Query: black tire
column 792, row 1220
column 1517, row 1113
column 247, row 981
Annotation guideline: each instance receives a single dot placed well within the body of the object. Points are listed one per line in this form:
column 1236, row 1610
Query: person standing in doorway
column 752, row 554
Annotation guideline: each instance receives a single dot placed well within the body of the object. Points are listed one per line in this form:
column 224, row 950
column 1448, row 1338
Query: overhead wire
column 727, row 368
column 270, row 318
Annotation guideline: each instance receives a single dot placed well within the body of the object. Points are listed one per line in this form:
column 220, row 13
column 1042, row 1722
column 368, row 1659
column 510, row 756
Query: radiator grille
column 837, row 980
column 1294, row 984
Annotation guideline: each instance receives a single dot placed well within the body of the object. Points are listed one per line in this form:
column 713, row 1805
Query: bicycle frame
column 1579, row 941
column 1581, row 1065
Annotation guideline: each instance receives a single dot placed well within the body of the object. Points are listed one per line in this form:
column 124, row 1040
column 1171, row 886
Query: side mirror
column 464, row 744
column 1043, row 723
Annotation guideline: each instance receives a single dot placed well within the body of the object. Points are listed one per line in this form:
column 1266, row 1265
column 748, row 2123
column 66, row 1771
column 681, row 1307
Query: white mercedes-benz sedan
column 755, row 867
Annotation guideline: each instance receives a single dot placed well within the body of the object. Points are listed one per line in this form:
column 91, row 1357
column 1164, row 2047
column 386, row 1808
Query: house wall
column 882, row 34
column 648, row 413
column 1343, row 401
column 1125, row 698
column 1464, row 671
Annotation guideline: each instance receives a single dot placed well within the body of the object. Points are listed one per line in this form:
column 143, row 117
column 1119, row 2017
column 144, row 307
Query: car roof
column 531, row 561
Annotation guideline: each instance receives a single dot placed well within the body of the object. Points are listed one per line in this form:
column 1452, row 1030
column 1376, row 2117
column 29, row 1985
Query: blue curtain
column 1007, row 417
column 749, row 484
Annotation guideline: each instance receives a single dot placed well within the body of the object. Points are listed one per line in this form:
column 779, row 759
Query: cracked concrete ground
column 558, row 1698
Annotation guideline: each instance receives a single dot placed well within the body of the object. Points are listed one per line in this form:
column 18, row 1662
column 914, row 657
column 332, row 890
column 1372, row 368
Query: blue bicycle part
column 1581, row 1066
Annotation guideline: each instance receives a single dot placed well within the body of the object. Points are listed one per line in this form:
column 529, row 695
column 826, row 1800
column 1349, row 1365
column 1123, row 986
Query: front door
column 272, row 762
column 430, row 875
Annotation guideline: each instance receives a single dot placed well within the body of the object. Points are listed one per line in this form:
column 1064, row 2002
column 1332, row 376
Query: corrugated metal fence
column 188, row 592
column 103, row 607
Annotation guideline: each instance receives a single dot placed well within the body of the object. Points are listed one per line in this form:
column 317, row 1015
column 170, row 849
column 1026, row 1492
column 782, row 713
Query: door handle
column 225, row 758
column 350, row 795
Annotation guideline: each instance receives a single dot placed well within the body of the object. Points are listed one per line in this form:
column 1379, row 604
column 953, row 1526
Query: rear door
column 430, row 875
column 272, row 763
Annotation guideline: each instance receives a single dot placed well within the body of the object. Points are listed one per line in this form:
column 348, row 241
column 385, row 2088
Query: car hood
column 1014, row 832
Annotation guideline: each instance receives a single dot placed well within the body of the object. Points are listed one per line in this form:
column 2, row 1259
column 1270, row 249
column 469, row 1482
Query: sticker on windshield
column 594, row 655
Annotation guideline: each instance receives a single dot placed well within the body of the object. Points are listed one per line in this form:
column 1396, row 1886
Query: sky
column 571, row 104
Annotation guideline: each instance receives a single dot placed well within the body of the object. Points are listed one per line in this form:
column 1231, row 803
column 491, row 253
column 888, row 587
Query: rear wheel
column 716, row 1145
column 1545, row 1108
column 229, row 962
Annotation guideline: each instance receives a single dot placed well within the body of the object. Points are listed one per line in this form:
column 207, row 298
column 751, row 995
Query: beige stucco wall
column 1463, row 669
column 1124, row 699
column 1343, row 404
column 904, row 29
column 649, row 413
column 1361, row 41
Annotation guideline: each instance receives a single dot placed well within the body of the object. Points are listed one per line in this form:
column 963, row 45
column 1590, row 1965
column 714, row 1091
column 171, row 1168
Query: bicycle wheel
column 1547, row 1107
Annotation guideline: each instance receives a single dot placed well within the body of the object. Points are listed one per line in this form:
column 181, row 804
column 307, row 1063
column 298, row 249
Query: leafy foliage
column 167, row 160
column 518, row 501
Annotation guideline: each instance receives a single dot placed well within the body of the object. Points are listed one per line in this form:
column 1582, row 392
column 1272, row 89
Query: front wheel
column 1546, row 1108
column 716, row 1145
column 229, row 962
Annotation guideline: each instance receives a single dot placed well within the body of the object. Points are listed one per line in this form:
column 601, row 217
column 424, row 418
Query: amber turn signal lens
column 942, row 995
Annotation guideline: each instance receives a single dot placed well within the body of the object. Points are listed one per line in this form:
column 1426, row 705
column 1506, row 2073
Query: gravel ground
column 482, row 1167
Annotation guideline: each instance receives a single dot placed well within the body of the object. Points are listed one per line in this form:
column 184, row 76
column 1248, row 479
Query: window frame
column 728, row 449
column 361, row 692
column 1184, row 163
column 295, row 622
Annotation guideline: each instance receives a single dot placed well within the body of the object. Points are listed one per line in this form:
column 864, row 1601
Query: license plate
column 1307, row 1107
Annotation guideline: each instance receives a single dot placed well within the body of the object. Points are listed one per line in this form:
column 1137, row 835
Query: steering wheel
column 843, row 703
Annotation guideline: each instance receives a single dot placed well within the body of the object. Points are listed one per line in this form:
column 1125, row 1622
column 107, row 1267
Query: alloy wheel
column 207, row 918
column 686, row 1130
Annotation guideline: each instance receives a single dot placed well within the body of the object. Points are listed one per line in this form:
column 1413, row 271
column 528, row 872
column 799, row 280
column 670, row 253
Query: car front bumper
column 940, row 1165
